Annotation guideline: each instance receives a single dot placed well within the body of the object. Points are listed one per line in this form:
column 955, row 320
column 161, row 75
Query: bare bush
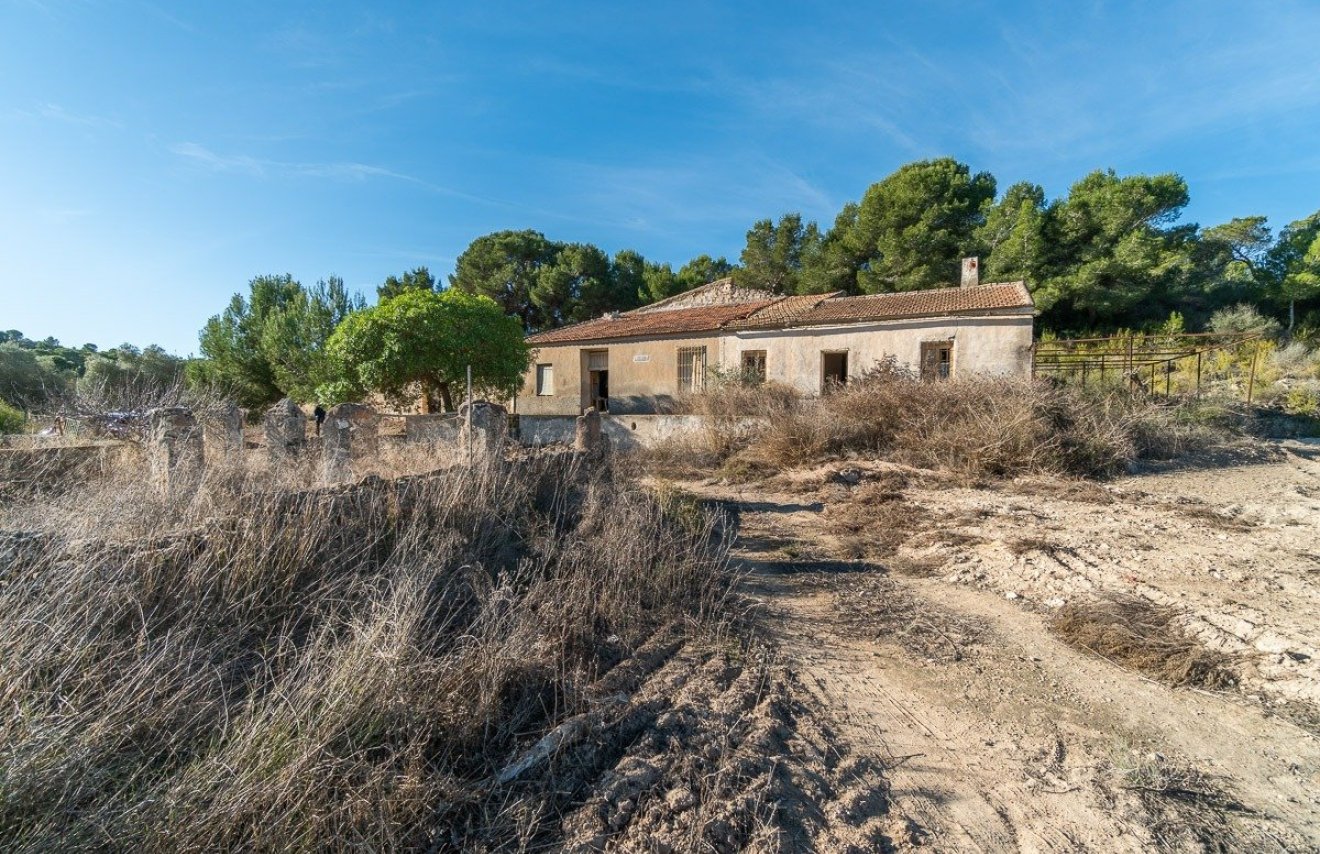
column 975, row 427
column 261, row 668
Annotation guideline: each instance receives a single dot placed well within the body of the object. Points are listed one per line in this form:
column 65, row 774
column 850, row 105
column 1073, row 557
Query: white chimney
column 971, row 272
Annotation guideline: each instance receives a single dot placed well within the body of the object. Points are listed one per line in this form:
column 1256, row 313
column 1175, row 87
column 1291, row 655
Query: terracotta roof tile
column 927, row 303
column 784, row 312
column 633, row 325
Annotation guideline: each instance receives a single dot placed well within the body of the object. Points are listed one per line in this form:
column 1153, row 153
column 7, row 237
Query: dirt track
column 917, row 612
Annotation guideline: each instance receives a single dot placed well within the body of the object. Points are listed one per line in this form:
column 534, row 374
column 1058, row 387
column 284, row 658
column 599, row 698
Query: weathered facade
column 641, row 361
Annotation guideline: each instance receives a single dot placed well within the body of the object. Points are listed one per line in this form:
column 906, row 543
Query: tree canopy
column 422, row 342
column 418, row 279
column 271, row 343
column 46, row 375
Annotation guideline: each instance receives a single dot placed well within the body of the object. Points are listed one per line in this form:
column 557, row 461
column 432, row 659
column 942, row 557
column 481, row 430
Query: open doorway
column 600, row 390
column 596, row 390
column 833, row 369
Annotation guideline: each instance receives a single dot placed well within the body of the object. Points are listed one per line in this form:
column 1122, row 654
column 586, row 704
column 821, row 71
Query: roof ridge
column 941, row 289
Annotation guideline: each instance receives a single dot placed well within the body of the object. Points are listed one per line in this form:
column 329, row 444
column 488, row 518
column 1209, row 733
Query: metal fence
column 1168, row 364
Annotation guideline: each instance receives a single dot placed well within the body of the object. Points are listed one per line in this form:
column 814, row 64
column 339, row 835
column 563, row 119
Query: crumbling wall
column 222, row 433
column 174, row 450
column 286, row 431
column 486, row 428
column 349, row 441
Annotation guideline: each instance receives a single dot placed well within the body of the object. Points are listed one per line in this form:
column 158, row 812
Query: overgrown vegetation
column 974, row 427
column 256, row 668
column 11, row 418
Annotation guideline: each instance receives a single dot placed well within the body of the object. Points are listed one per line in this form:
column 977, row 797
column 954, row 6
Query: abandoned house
column 640, row 361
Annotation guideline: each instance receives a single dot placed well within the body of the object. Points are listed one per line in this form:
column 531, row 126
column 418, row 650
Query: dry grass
column 258, row 667
column 974, row 428
column 873, row 522
column 1134, row 633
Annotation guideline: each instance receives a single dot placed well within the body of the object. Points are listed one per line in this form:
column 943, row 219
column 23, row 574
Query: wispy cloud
column 342, row 171
column 55, row 112
column 242, row 164
column 57, row 216
column 689, row 195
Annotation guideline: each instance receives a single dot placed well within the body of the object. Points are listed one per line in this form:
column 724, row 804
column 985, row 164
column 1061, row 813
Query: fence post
column 1251, row 378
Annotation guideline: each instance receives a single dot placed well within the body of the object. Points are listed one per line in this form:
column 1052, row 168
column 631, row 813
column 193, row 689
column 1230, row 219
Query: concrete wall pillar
column 349, row 440
column 174, row 450
column 222, row 431
column 490, row 426
column 588, row 437
column 286, row 430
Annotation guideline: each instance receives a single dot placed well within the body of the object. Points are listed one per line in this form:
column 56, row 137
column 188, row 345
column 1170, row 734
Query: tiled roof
column 640, row 324
column 927, row 303
column 785, row 312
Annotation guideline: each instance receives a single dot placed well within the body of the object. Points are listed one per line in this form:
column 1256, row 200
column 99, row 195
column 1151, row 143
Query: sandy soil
column 917, row 614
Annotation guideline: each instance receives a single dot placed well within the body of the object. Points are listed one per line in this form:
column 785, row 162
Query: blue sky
column 154, row 156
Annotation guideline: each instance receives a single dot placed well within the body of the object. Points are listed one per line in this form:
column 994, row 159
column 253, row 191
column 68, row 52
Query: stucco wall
column 642, row 374
column 982, row 345
column 645, row 373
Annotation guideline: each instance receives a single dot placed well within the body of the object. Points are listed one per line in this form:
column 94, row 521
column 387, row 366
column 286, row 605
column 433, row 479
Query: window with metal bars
column 691, row 369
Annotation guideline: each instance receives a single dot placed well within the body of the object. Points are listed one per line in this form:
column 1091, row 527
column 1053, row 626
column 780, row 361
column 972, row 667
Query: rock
column 680, row 799
column 1011, row 595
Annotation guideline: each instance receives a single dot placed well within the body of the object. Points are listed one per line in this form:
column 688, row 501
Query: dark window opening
column 834, row 370
column 753, row 366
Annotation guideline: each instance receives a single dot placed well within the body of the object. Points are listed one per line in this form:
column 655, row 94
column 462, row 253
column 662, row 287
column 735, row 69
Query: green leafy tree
column 26, row 380
column 419, row 279
column 701, row 270
column 234, row 360
column 577, row 284
column 1012, row 238
column 294, row 336
column 126, row 377
column 1116, row 258
column 12, row 419
column 910, row 230
column 776, row 252
column 506, row 266
column 1294, row 264
column 423, row 339
column 1231, row 266
column 636, row 280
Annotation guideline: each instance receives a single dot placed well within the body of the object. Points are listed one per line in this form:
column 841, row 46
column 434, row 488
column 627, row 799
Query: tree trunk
column 446, row 399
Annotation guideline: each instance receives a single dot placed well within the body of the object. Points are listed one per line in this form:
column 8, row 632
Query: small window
column 691, row 369
column 753, row 366
column 545, row 380
column 936, row 360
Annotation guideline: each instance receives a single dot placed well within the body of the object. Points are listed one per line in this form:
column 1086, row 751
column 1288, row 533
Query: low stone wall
column 431, row 428
column 29, row 470
column 625, row 432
